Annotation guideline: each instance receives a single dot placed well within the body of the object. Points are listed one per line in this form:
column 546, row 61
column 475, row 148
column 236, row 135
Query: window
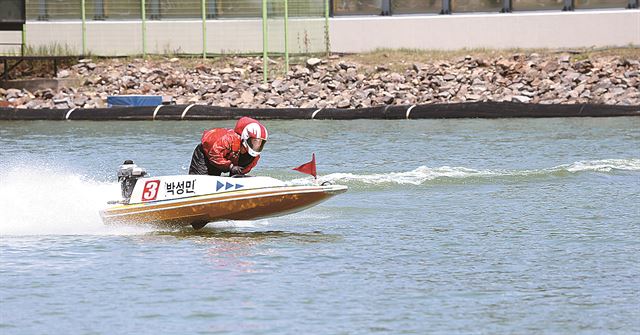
column 416, row 6
column 461, row 6
column 586, row 4
column 347, row 7
column 238, row 8
column 54, row 10
column 299, row 8
column 537, row 4
column 112, row 9
column 174, row 9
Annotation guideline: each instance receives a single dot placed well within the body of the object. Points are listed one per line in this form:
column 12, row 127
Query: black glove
column 236, row 170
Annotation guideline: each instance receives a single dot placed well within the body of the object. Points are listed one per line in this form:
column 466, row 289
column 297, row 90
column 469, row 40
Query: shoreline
column 385, row 78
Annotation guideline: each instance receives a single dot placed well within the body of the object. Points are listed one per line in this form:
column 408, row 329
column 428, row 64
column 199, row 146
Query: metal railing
column 221, row 9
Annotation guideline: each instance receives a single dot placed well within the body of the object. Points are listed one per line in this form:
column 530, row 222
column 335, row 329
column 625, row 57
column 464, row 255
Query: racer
column 235, row 151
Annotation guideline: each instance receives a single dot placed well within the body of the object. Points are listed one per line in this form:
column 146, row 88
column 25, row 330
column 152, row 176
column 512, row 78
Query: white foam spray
column 52, row 202
column 237, row 224
column 605, row 165
column 425, row 174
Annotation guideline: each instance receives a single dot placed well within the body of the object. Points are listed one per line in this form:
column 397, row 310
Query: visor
column 256, row 144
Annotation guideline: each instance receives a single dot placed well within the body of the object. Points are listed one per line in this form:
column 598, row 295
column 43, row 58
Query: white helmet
column 253, row 137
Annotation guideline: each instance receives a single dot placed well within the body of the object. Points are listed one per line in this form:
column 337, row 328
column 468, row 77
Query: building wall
column 350, row 34
column 495, row 31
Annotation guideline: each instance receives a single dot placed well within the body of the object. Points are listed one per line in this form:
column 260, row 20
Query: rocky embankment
column 344, row 83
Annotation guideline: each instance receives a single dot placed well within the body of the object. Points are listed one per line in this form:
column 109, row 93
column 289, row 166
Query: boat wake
column 451, row 175
column 50, row 202
column 54, row 202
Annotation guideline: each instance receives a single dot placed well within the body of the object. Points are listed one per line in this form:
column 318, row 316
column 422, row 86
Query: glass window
column 416, row 6
column 168, row 9
column 537, row 4
column 298, row 8
column 54, row 10
column 586, row 4
column 461, row 6
column 113, row 9
column 174, row 9
column 238, row 8
column 33, row 10
column 346, row 7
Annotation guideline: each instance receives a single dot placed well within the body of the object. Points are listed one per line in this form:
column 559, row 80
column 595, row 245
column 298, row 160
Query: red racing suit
column 222, row 148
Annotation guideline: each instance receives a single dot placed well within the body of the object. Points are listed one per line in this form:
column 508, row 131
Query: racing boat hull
column 208, row 198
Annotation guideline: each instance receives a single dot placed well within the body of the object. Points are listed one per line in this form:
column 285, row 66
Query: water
column 449, row 226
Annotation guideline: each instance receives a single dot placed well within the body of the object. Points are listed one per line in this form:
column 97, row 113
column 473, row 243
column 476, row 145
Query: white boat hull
column 196, row 200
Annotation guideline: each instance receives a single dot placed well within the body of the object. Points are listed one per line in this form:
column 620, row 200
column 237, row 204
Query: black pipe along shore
column 484, row 110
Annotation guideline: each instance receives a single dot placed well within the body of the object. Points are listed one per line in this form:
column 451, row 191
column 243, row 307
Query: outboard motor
column 128, row 174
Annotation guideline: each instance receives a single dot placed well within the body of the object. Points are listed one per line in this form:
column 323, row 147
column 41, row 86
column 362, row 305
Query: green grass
column 397, row 60
column 400, row 59
column 54, row 49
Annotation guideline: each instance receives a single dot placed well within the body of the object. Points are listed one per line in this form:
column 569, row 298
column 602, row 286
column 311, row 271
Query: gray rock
column 307, row 104
column 33, row 104
column 617, row 91
column 276, row 83
column 520, row 98
column 63, row 73
column 47, row 94
column 549, row 66
column 313, row 62
column 527, row 94
column 80, row 101
column 478, row 89
column 264, row 88
column 449, row 77
column 573, row 76
column 387, row 99
column 343, row 104
column 246, row 97
column 396, row 77
column 419, row 67
column 13, row 93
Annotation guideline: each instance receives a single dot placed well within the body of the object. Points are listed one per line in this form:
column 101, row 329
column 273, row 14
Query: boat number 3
column 150, row 191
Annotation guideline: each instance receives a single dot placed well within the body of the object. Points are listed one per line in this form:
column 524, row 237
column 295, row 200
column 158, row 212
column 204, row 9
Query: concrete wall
column 10, row 37
column 350, row 34
column 495, row 31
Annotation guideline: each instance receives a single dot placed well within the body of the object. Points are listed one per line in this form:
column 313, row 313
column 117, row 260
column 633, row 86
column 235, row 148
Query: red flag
column 308, row 168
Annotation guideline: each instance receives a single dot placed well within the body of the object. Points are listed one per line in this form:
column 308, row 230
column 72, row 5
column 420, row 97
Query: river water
column 528, row 226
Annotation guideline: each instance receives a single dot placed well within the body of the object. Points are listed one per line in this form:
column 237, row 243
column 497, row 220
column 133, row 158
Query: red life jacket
column 222, row 148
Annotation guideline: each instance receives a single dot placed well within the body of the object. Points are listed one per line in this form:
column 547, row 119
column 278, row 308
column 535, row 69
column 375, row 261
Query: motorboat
column 195, row 200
